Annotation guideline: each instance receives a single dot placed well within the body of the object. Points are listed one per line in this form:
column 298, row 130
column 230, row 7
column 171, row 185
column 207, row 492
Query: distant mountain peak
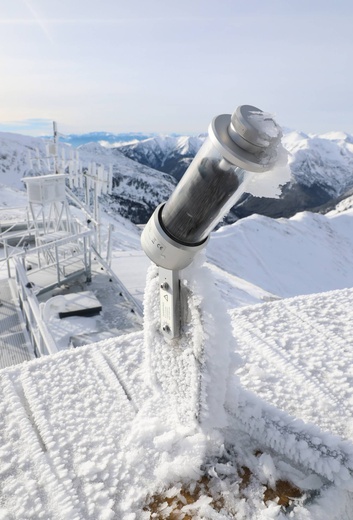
column 321, row 167
column 170, row 154
column 106, row 137
column 337, row 136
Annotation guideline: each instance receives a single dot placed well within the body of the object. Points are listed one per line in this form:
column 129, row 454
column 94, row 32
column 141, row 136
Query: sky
column 171, row 66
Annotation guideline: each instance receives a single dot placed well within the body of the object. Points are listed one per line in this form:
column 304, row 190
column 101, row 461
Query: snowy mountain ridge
column 308, row 253
column 325, row 159
column 137, row 189
column 166, row 144
column 104, row 138
column 321, row 168
column 165, row 153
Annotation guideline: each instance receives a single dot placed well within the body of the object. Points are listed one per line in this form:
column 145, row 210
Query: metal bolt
column 165, row 286
column 166, row 328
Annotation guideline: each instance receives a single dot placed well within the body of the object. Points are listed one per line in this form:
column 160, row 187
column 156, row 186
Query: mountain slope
column 309, row 253
column 322, row 170
column 138, row 189
column 168, row 154
column 14, row 157
column 321, row 167
column 325, row 160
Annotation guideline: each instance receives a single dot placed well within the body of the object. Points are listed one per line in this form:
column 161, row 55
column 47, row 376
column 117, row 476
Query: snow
column 296, row 359
column 337, row 136
column 265, row 124
column 265, row 365
column 321, row 159
column 131, row 268
column 83, row 429
column 10, row 199
column 305, row 254
column 194, row 371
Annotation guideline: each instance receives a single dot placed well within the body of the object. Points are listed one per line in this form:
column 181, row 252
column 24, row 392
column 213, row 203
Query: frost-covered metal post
column 238, row 147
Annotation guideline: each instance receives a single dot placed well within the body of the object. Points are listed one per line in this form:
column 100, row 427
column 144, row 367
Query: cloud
column 34, row 127
column 39, row 19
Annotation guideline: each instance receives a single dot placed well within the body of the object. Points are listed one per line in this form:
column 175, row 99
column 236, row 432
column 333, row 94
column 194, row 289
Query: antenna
column 55, row 147
column 96, row 180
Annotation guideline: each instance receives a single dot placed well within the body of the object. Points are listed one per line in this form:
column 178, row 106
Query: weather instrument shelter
column 48, row 204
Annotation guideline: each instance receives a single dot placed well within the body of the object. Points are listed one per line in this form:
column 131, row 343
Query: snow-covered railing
column 138, row 307
column 53, row 241
column 95, row 222
column 12, row 233
column 302, row 443
column 10, row 217
column 41, row 338
column 11, row 250
column 57, row 253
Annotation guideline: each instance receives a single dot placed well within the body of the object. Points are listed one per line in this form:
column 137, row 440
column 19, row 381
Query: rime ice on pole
column 182, row 360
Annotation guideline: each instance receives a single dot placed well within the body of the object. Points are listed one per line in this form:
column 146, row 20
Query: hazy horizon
column 161, row 67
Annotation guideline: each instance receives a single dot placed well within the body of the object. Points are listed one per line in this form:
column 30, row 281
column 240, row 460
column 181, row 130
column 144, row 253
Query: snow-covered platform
column 298, row 356
column 119, row 314
column 76, row 308
column 131, row 267
column 63, row 419
column 297, row 378
column 82, row 437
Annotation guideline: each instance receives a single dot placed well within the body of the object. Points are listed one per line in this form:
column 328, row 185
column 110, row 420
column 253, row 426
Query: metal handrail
column 39, row 249
column 36, row 326
column 124, row 290
column 58, row 243
column 7, row 231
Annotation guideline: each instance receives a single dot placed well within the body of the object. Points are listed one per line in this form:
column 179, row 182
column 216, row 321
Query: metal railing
column 128, row 296
column 40, row 336
column 42, row 340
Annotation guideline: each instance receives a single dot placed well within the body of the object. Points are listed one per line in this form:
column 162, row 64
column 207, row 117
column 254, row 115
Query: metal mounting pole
column 55, row 141
column 109, row 245
column 169, row 283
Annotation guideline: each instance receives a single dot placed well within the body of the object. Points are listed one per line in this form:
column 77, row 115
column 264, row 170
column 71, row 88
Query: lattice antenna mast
column 48, row 205
column 95, row 181
column 98, row 181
